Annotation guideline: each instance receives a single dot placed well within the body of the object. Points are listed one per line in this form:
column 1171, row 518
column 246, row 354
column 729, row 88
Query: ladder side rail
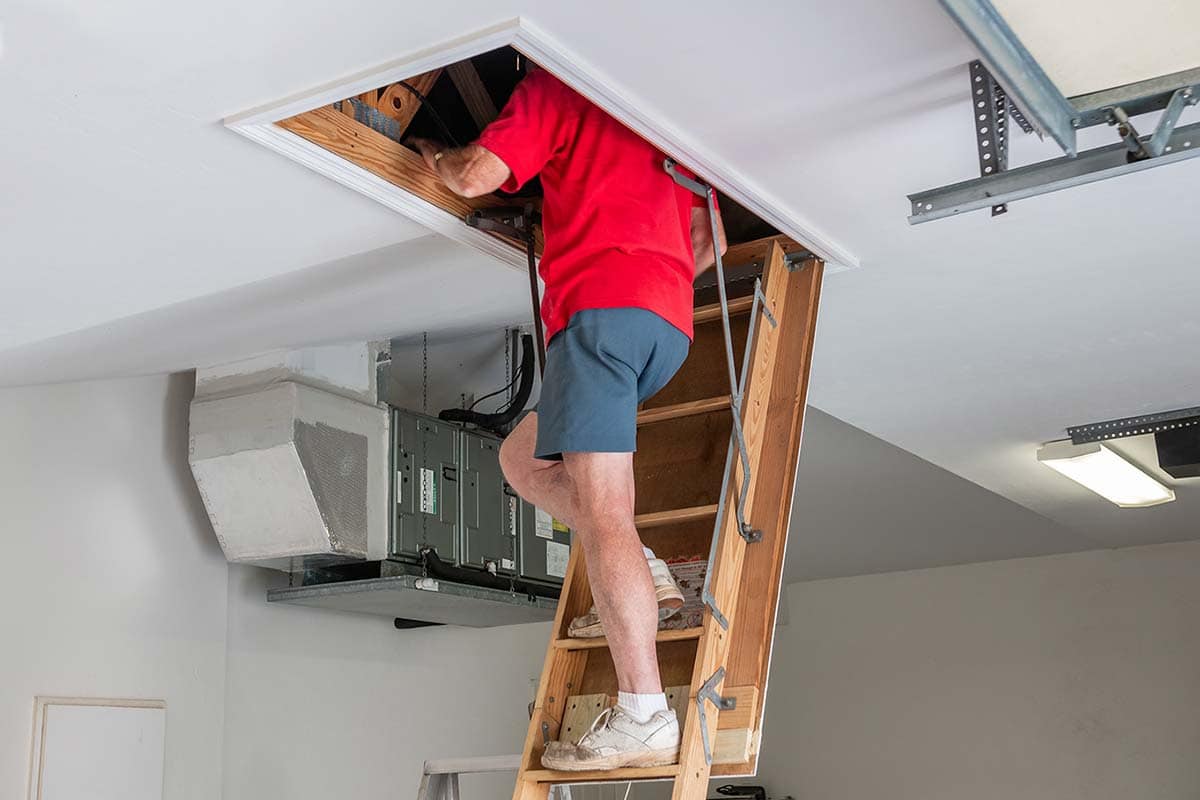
column 712, row 652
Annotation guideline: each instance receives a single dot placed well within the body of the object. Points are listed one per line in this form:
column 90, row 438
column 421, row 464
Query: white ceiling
column 1089, row 45
column 139, row 235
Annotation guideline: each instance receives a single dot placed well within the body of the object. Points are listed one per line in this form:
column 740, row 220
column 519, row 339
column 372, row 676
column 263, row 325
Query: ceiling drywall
column 132, row 217
column 426, row 284
column 1089, row 45
column 122, row 193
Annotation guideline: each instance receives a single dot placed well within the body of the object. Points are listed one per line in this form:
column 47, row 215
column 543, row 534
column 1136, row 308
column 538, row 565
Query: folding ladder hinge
column 751, row 534
column 707, row 598
column 761, row 300
column 691, row 184
column 708, row 691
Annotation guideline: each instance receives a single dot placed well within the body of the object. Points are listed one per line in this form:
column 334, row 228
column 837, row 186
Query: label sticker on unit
column 556, row 559
column 543, row 524
column 507, row 563
column 429, row 497
column 513, row 511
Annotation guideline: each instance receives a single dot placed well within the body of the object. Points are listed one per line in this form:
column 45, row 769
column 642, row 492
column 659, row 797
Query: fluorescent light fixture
column 1106, row 473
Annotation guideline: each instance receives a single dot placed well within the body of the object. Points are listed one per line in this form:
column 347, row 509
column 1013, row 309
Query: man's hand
column 428, row 149
column 468, row 171
column 702, row 242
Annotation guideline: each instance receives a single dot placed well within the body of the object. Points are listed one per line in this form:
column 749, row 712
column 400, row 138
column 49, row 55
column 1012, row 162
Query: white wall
column 324, row 704
column 1064, row 677
column 113, row 585
column 1073, row 677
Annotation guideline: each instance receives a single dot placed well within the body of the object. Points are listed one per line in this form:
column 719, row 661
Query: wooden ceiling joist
column 380, row 155
column 399, row 103
column 479, row 103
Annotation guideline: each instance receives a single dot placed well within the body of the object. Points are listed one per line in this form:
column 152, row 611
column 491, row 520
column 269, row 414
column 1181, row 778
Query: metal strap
column 708, row 691
column 989, row 107
column 737, row 389
column 1166, row 123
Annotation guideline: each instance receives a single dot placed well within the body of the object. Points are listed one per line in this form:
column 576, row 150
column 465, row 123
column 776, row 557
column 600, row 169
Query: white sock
column 648, row 552
column 641, row 706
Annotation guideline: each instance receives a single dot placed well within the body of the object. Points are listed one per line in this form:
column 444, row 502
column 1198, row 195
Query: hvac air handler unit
column 454, row 510
column 368, row 508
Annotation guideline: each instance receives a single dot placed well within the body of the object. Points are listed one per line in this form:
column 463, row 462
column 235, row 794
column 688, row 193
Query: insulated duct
column 292, row 476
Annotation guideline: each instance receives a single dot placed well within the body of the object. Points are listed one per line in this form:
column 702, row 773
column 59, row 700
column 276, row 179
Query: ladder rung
column 671, row 635
column 674, row 516
column 692, row 407
column 609, row 775
column 738, row 305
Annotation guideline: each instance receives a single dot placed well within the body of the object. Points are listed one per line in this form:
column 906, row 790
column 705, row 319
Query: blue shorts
column 598, row 369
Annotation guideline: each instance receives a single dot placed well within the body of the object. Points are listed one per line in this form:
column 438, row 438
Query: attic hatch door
column 451, row 104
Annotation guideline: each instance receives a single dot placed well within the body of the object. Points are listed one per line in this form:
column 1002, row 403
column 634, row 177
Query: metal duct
column 292, row 476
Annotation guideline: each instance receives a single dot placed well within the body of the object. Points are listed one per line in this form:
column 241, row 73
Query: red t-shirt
column 617, row 227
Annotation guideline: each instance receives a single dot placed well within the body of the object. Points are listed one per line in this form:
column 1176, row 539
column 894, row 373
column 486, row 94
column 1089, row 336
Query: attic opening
column 453, row 104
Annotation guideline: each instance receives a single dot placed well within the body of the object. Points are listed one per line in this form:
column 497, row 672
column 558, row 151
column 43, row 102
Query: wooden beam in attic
column 402, row 105
column 376, row 153
column 397, row 102
column 341, row 135
column 756, row 250
column 474, row 94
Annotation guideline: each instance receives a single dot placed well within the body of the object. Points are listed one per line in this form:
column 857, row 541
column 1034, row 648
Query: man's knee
column 516, row 452
column 513, row 463
column 602, row 482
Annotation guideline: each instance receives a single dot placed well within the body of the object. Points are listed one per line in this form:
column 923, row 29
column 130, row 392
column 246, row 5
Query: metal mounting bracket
column 1166, row 123
column 1044, row 177
column 1128, row 133
column 1033, row 101
column 1134, row 426
column 708, row 692
column 990, row 111
column 1016, row 69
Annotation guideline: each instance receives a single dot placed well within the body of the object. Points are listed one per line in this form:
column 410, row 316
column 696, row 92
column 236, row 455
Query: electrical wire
column 506, row 387
column 432, row 112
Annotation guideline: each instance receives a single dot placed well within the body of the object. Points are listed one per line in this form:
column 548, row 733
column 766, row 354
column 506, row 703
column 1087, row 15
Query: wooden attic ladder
column 684, row 432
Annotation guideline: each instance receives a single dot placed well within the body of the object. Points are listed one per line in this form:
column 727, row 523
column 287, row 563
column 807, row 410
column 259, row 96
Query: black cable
column 432, row 112
column 498, row 422
column 509, row 385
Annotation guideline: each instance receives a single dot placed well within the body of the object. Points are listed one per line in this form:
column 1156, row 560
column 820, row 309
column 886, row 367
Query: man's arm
column 468, row 171
column 702, row 244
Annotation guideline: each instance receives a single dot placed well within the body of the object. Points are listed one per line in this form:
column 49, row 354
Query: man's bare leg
column 593, row 494
column 543, row 483
column 622, row 588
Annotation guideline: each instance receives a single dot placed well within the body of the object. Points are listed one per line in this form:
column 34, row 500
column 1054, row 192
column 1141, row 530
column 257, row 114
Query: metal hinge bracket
column 708, row 692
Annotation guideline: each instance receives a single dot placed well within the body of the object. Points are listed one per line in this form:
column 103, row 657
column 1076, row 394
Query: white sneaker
column 666, row 591
column 618, row 740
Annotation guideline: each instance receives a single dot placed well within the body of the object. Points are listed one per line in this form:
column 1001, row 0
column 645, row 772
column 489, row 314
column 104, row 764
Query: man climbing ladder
column 623, row 245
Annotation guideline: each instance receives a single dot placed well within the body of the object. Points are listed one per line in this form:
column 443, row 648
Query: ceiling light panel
column 1106, row 473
